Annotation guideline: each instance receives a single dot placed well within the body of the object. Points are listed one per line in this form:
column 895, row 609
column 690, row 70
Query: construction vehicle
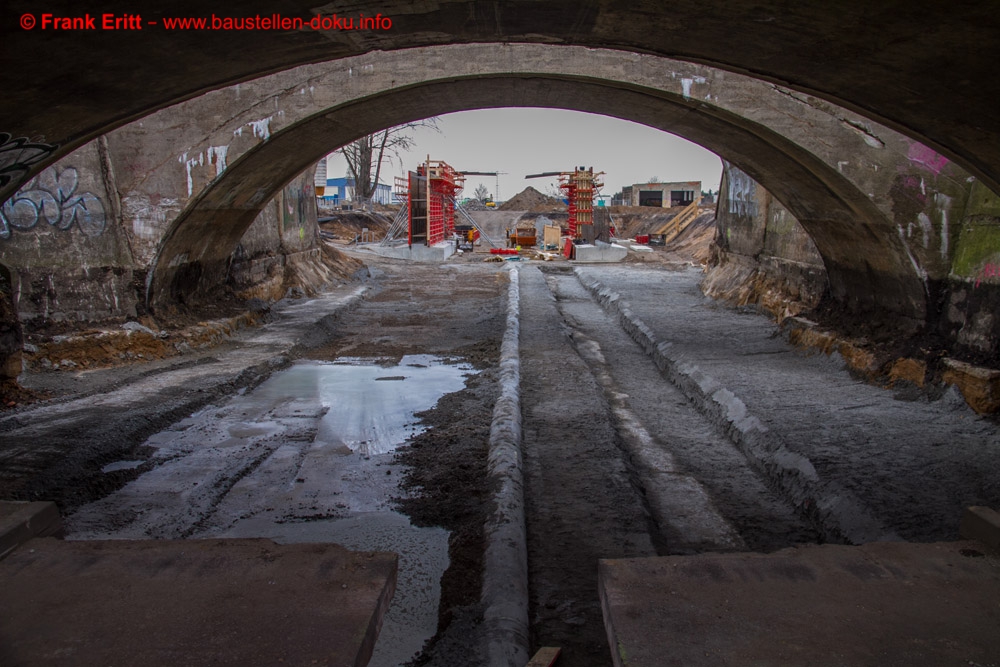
column 522, row 238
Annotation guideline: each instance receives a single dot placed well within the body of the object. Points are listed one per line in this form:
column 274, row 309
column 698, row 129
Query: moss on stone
column 978, row 242
column 982, row 201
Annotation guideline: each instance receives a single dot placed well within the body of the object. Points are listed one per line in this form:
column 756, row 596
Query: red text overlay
column 331, row 22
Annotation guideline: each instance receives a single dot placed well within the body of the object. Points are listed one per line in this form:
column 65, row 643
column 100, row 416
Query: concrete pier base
column 416, row 253
column 600, row 252
column 884, row 603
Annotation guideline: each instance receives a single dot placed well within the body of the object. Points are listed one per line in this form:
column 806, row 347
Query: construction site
column 247, row 421
column 529, row 226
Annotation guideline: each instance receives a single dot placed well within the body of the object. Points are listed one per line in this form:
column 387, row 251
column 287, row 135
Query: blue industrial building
column 340, row 190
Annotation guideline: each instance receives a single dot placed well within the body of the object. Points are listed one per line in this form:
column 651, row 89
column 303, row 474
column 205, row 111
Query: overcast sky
column 528, row 141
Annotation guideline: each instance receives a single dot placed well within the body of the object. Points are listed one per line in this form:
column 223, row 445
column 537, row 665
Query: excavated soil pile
column 531, row 199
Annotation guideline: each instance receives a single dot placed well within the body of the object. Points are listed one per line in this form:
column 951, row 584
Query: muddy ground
column 616, row 452
column 96, row 457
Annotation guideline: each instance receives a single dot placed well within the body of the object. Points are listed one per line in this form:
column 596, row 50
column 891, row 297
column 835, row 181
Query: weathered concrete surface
column 765, row 257
column 11, row 335
column 983, row 525
column 761, row 253
column 22, row 521
column 192, row 602
column 62, row 237
column 888, row 604
column 901, row 62
column 602, row 252
column 835, row 446
column 505, row 569
column 76, row 258
column 415, row 253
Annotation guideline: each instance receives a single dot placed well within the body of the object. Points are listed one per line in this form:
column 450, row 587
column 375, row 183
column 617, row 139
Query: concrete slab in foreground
column 886, row 604
column 22, row 521
column 191, row 602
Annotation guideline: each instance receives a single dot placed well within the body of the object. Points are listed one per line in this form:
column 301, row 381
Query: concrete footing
column 191, row 602
column 601, row 252
column 886, row 603
column 416, row 253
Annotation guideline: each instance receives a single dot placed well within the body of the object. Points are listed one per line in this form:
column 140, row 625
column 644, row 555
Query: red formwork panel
column 443, row 183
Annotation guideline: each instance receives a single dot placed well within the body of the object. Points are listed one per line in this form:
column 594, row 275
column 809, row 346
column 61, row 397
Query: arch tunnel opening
column 603, row 385
column 832, row 210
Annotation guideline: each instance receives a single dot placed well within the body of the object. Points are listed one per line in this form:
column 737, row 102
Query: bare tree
column 366, row 155
column 481, row 193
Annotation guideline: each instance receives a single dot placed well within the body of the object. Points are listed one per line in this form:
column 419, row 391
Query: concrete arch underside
column 783, row 141
column 922, row 67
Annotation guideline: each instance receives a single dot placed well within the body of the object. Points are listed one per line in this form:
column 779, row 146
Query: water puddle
column 369, row 408
column 306, row 456
column 121, row 465
column 360, row 411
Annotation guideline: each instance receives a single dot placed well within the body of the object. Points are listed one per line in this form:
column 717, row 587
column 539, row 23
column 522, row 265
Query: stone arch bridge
column 136, row 161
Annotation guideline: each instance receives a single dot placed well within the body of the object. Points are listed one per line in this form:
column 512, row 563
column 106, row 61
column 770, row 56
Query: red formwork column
column 411, row 195
column 441, row 185
column 570, row 188
column 435, row 218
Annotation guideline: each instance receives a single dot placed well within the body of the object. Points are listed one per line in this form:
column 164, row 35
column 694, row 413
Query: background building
column 339, row 190
column 663, row 195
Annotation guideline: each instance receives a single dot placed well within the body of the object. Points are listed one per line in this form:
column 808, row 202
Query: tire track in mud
column 580, row 501
column 223, row 484
column 702, row 490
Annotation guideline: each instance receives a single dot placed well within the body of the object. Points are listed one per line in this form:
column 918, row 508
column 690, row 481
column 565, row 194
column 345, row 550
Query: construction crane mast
column 495, row 174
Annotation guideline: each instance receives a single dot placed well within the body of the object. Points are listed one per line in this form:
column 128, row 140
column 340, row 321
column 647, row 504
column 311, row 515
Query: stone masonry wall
column 71, row 263
column 762, row 255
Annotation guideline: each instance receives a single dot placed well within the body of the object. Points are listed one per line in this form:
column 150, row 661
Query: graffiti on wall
column 17, row 156
column 296, row 207
column 52, row 197
column 742, row 193
column 989, row 270
column 927, row 158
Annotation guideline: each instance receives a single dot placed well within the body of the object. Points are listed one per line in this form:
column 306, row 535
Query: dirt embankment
column 349, row 225
column 76, row 347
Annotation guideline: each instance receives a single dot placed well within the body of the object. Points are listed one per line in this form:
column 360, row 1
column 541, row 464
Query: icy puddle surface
column 307, row 456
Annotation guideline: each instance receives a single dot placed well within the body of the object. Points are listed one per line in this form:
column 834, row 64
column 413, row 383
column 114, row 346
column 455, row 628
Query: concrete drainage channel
column 505, row 576
column 838, row 515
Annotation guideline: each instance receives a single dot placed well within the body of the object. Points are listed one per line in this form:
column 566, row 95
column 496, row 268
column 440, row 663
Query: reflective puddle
column 307, row 456
column 363, row 410
column 369, row 408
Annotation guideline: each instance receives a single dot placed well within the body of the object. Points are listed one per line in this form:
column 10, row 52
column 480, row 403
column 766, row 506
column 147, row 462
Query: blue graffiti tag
column 52, row 197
